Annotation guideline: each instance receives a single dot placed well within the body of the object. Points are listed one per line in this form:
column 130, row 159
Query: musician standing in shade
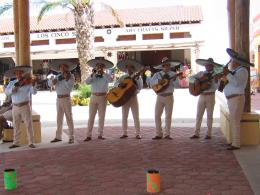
column 235, row 93
column 165, row 98
column 207, row 97
column 130, row 67
column 63, row 83
column 20, row 91
column 99, row 87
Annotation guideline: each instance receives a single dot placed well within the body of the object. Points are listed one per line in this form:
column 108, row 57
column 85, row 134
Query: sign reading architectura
column 72, row 34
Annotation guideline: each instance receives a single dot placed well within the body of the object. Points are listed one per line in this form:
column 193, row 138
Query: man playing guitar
column 164, row 98
column 130, row 67
column 206, row 97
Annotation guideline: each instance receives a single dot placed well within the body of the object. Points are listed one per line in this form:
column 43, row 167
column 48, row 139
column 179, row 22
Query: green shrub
column 84, row 91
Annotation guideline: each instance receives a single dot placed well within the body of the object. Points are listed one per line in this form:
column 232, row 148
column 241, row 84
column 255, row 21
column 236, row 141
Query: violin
column 23, row 81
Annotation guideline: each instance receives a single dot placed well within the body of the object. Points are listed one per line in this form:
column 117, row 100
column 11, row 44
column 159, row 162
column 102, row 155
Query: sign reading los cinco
column 72, row 34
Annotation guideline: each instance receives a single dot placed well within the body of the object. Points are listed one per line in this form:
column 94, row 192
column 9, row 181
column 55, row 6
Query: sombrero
column 165, row 60
column 11, row 72
column 238, row 58
column 203, row 62
column 123, row 63
column 55, row 65
column 100, row 60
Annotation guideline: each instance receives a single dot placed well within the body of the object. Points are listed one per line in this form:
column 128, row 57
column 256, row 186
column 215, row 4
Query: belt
column 99, row 94
column 21, row 104
column 234, row 95
column 208, row 93
column 63, row 96
column 165, row 94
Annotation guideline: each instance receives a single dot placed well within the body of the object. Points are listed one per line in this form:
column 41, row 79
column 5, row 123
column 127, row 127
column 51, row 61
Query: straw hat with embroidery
column 55, row 65
column 123, row 63
column 166, row 60
column 239, row 58
column 100, row 60
column 11, row 73
column 204, row 62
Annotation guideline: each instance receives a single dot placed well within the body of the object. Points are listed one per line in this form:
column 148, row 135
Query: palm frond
column 48, row 6
column 114, row 13
column 5, row 8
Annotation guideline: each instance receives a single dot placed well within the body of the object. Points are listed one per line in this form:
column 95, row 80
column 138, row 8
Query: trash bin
column 10, row 179
column 153, row 180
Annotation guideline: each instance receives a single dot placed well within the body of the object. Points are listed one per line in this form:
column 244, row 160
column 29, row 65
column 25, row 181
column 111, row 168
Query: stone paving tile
column 114, row 166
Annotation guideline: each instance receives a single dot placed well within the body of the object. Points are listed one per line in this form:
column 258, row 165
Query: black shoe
column 123, row 137
column 207, row 137
column 71, row 141
column 138, row 137
column 233, row 148
column 168, row 137
column 55, row 140
column 101, row 137
column 14, row 146
column 195, row 137
column 157, row 137
column 32, row 146
column 87, row 139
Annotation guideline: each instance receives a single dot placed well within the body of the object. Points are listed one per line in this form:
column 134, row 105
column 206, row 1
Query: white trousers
column 163, row 103
column 205, row 102
column 23, row 113
column 97, row 104
column 236, row 107
column 133, row 104
column 63, row 106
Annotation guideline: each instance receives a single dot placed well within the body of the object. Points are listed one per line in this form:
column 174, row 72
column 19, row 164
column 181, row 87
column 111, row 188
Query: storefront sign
column 144, row 29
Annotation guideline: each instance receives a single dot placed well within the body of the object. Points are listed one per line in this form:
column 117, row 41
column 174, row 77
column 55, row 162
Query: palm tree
column 84, row 26
column 83, row 12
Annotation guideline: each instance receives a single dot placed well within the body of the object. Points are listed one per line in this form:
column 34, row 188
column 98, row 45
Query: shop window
column 126, row 38
column 66, row 41
column 178, row 35
column 8, row 44
column 99, row 39
column 40, row 42
column 152, row 36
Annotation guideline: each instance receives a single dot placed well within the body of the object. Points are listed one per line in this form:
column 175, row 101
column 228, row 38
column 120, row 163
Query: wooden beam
column 16, row 30
column 24, row 33
column 242, row 9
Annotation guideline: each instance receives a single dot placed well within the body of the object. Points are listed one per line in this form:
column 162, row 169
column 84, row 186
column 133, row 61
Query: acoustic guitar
column 164, row 83
column 118, row 96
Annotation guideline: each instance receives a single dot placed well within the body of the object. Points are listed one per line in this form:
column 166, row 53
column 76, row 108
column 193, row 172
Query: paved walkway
column 117, row 167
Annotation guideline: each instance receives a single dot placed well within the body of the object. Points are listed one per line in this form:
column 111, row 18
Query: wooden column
column 231, row 22
column 242, row 9
column 16, row 29
column 24, row 33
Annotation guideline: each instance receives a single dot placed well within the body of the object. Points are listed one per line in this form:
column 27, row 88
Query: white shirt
column 157, row 76
column 64, row 87
column 23, row 93
column 214, row 85
column 99, row 85
column 236, row 81
column 139, row 82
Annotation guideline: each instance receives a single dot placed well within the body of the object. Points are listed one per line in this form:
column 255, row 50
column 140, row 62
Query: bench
column 8, row 133
column 249, row 131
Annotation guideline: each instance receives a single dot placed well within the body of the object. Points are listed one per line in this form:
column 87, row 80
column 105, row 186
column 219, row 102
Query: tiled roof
column 172, row 14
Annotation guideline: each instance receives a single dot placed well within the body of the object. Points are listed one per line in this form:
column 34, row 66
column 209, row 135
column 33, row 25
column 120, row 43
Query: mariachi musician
column 235, row 93
column 99, row 87
column 164, row 98
column 130, row 67
column 20, row 91
column 64, row 83
column 207, row 96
